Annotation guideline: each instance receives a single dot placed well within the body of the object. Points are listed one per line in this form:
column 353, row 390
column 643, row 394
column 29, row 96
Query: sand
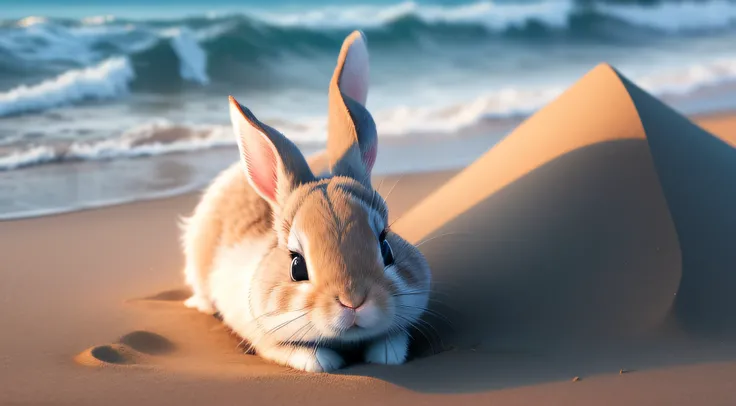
column 595, row 241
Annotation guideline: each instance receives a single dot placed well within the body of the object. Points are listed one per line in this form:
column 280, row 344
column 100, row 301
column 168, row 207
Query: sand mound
column 697, row 171
column 564, row 229
column 147, row 342
column 108, row 355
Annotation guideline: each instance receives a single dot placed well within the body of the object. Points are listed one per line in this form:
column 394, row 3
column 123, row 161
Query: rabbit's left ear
column 352, row 140
column 273, row 165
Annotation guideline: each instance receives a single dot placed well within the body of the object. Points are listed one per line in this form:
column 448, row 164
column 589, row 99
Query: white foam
column 690, row 78
column 107, row 80
column 494, row 15
column 141, row 141
column 192, row 58
column 31, row 21
column 501, row 16
column 450, row 119
column 33, row 155
column 157, row 137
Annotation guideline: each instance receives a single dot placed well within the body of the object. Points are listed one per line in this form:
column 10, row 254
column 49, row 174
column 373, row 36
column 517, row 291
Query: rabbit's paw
column 390, row 350
column 306, row 359
column 200, row 303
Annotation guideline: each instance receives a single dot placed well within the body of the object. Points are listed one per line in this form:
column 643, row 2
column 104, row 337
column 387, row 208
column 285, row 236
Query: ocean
column 104, row 102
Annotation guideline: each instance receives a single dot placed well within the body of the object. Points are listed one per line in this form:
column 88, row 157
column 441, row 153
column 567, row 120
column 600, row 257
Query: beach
column 587, row 257
column 566, row 167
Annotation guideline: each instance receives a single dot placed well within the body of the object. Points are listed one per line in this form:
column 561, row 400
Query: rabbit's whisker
column 421, row 292
column 466, row 234
column 273, row 330
column 418, row 328
column 304, row 334
column 428, row 311
column 392, row 188
column 380, row 185
column 430, row 299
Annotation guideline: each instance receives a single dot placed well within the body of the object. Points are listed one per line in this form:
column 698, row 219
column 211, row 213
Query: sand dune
column 697, row 171
column 594, row 228
column 566, row 231
column 593, row 241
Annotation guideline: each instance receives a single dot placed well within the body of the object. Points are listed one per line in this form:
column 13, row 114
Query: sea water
column 110, row 101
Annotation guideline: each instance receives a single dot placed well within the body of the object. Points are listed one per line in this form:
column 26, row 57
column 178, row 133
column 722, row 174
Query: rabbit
column 301, row 265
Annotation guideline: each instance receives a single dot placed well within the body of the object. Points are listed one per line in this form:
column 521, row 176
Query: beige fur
column 218, row 221
column 257, row 214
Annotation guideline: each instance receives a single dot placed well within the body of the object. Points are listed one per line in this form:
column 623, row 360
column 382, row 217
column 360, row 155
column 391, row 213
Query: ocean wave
column 514, row 102
column 192, row 58
column 256, row 38
column 26, row 157
column 676, row 16
column 495, row 16
column 680, row 81
column 163, row 137
column 108, row 80
column 669, row 16
column 155, row 138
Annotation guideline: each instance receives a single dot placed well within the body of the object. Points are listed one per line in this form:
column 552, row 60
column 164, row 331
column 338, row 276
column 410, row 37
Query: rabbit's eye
column 298, row 268
column 386, row 251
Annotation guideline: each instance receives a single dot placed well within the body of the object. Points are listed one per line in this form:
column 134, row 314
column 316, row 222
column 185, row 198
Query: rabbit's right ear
column 352, row 140
column 273, row 165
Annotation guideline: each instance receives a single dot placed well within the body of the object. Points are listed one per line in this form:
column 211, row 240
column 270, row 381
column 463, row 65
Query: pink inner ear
column 355, row 88
column 354, row 75
column 261, row 165
column 257, row 153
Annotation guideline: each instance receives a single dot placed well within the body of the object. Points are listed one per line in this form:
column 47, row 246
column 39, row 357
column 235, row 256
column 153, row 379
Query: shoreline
column 465, row 149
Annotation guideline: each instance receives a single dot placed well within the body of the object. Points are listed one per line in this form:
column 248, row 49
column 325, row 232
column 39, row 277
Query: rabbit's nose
column 353, row 302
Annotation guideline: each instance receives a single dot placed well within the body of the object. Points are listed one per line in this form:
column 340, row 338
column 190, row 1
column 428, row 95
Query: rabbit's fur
column 269, row 208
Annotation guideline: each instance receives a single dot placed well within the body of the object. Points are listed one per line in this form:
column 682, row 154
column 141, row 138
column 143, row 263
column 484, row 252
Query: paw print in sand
column 135, row 348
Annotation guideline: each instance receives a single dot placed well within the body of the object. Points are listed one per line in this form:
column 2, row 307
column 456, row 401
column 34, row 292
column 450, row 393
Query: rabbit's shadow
column 473, row 371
